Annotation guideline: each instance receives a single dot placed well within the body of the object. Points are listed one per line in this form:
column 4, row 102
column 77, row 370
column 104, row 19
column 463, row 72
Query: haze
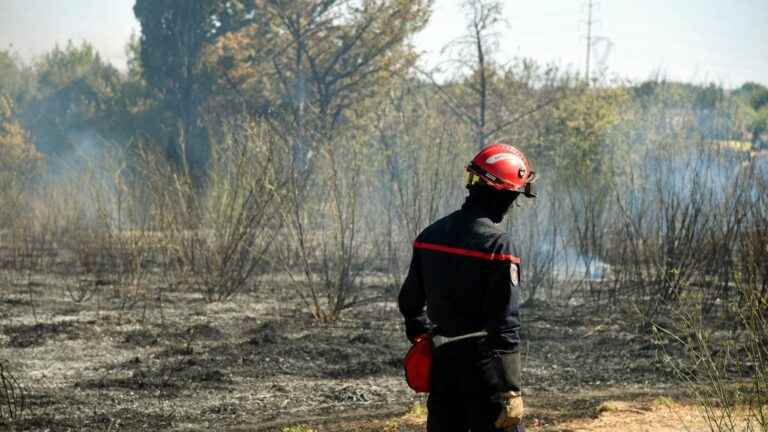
column 702, row 41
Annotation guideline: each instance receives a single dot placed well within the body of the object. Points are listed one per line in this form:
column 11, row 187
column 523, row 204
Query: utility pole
column 589, row 40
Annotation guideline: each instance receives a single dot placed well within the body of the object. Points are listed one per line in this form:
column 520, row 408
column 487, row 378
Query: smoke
column 572, row 265
column 85, row 181
column 677, row 174
column 546, row 237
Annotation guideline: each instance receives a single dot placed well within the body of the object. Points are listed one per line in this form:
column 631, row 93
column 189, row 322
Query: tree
column 311, row 69
column 490, row 97
column 484, row 16
column 756, row 95
column 144, row 116
column 579, row 155
column 303, row 64
column 424, row 153
column 758, row 124
column 173, row 36
column 76, row 94
column 15, row 78
column 755, row 99
column 19, row 161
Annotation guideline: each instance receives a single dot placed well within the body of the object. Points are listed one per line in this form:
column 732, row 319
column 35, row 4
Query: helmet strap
column 473, row 179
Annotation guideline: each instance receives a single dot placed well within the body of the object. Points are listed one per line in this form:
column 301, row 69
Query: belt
column 439, row 340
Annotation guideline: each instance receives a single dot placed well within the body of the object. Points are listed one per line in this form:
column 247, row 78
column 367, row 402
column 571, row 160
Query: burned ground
column 260, row 362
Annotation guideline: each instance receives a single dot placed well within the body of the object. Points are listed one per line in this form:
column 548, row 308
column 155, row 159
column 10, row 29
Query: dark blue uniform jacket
column 464, row 278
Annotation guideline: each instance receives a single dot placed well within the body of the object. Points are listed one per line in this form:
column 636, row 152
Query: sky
column 688, row 40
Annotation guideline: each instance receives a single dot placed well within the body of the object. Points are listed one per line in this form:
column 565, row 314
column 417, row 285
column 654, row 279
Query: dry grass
column 263, row 363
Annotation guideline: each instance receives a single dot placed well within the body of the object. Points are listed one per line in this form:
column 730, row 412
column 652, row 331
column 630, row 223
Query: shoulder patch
column 514, row 274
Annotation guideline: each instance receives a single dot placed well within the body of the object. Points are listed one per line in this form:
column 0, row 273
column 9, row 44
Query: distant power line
column 589, row 40
column 594, row 42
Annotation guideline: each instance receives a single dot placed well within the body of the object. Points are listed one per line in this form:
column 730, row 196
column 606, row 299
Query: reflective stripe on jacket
column 464, row 278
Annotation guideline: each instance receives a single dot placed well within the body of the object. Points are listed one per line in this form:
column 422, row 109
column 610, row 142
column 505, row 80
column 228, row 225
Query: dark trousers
column 461, row 398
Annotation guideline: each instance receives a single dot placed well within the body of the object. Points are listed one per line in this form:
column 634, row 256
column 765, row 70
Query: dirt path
column 601, row 410
column 661, row 415
column 637, row 417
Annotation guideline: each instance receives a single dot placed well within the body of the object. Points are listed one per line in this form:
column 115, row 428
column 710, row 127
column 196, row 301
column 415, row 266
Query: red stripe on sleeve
column 467, row 252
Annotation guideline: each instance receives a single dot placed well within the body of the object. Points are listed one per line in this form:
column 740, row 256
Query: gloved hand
column 512, row 413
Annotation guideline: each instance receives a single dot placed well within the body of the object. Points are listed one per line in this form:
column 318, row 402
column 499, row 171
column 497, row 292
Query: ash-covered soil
column 260, row 362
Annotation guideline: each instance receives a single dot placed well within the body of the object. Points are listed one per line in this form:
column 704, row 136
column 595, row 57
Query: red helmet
column 502, row 167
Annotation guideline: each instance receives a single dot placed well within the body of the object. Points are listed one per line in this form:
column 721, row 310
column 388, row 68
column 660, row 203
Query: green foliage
column 76, row 91
column 709, row 97
column 754, row 94
column 728, row 405
column 307, row 84
column 577, row 145
column 297, row 428
column 19, row 161
column 418, row 409
column 15, row 79
column 670, row 94
column 174, row 35
column 759, row 123
column 753, row 99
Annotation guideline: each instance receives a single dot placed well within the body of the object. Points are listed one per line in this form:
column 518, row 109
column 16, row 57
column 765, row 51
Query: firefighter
column 463, row 290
